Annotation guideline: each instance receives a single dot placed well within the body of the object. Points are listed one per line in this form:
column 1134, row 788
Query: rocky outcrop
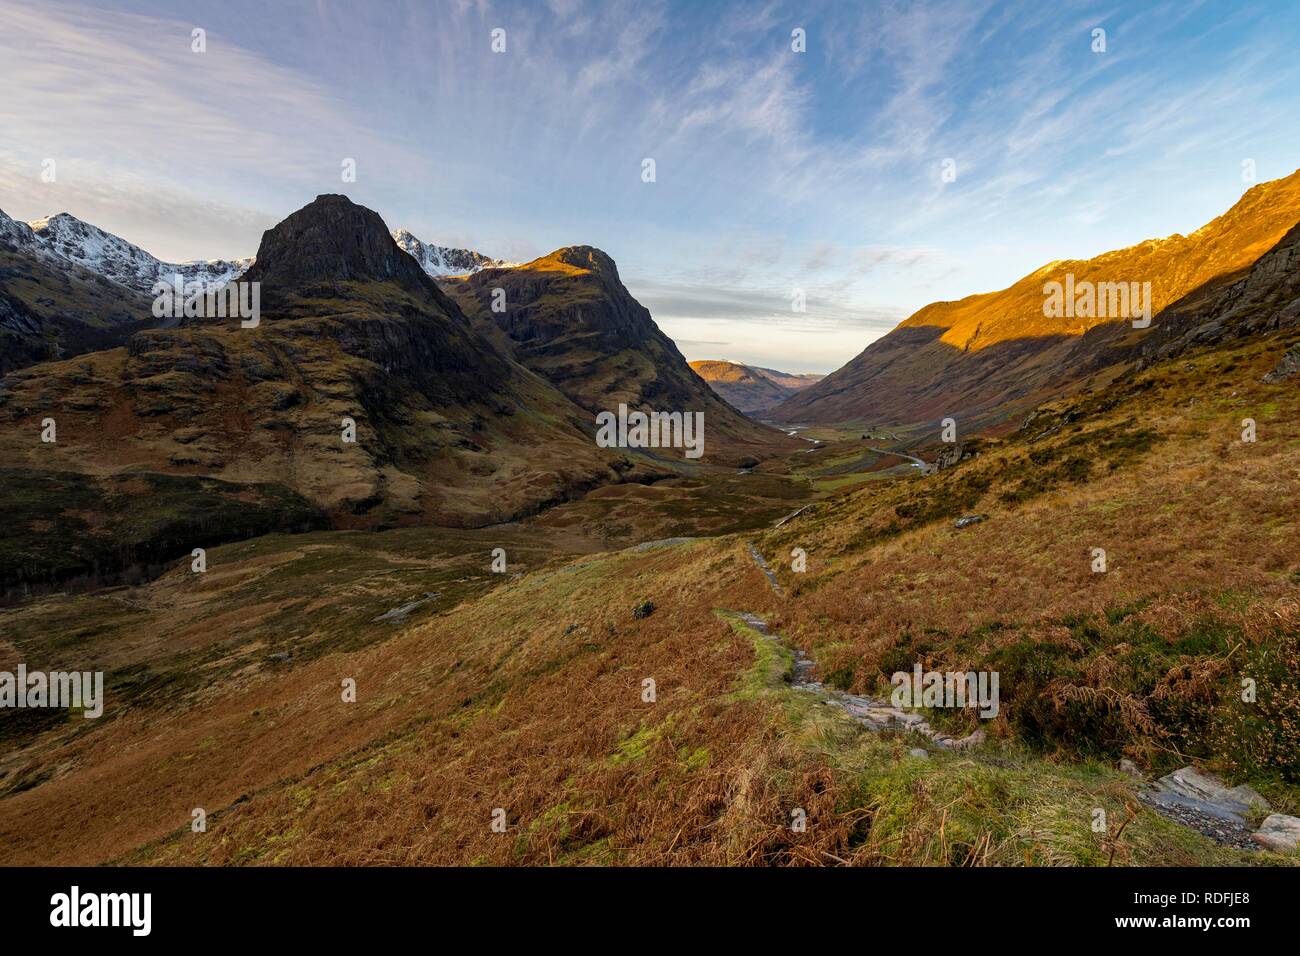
column 950, row 455
column 1205, row 803
column 569, row 318
column 330, row 243
column 1287, row 367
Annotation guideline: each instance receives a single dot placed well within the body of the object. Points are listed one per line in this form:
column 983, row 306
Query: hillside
column 750, row 388
column 53, row 308
column 227, row 687
column 988, row 357
column 448, row 429
column 568, row 317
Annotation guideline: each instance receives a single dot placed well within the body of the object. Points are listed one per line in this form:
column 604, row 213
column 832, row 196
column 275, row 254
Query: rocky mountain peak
column 587, row 257
column 332, row 240
column 440, row 261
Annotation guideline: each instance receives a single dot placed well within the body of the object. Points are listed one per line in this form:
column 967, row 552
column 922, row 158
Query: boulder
column 1279, row 832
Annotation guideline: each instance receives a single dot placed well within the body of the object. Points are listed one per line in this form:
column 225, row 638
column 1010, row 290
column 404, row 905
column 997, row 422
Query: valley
column 476, row 611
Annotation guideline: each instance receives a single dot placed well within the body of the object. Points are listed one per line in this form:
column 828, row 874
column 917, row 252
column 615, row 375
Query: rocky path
column 874, row 713
column 1205, row 803
column 762, row 566
column 1188, row 796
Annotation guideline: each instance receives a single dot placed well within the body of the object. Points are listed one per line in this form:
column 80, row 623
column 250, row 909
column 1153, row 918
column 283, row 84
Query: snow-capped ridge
column 65, row 238
column 440, row 261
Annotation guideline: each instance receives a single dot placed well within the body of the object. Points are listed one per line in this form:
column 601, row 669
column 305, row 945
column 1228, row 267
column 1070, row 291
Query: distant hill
column 988, row 357
column 751, row 388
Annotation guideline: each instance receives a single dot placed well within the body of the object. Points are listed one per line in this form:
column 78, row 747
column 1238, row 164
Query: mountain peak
column 331, row 240
column 63, row 238
column 586, row 257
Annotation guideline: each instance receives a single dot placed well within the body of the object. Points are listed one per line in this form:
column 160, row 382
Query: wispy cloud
column 777, row 170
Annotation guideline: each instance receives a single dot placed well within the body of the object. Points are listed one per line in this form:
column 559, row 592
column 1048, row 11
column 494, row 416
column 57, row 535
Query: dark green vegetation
column 64, row 529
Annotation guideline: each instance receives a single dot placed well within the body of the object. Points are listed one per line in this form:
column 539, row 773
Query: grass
column 525, row 692
column 773, row 662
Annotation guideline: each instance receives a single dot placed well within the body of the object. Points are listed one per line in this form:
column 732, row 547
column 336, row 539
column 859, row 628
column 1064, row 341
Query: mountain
column 52, row 308
column 65, row 238
column 986, row 358
column 114, row 258
column 751, row 388
column 1263, row 300
column 795, row 381
column 568, row 317
column 442, row 260
column 449, row 429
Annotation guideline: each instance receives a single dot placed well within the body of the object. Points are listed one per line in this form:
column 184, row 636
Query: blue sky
column 775, row 170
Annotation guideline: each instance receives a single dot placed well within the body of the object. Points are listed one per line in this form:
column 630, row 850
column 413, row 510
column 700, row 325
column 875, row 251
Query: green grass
column 773, row 661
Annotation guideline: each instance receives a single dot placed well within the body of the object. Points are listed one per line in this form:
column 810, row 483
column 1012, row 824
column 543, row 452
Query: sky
column 911, row 152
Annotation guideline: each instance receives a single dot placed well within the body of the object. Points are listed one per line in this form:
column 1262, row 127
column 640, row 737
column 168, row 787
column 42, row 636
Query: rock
column 1206, row 793
column 949, row 456
column 1129, row 767
column 968, row 520
column 1222, row 830
column 643, row 610
column 970, row 740
column 1279, row 832
column 1286, row 367
column 919, row 752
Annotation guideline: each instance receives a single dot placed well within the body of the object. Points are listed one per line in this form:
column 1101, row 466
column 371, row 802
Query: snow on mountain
column 66, row 238
column 114, row 258
column 19, row 235
column 443, row 261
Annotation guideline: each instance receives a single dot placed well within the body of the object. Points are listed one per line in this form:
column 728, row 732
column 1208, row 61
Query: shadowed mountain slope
column 568, row 317
column 448, row 429
column 51, row 307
